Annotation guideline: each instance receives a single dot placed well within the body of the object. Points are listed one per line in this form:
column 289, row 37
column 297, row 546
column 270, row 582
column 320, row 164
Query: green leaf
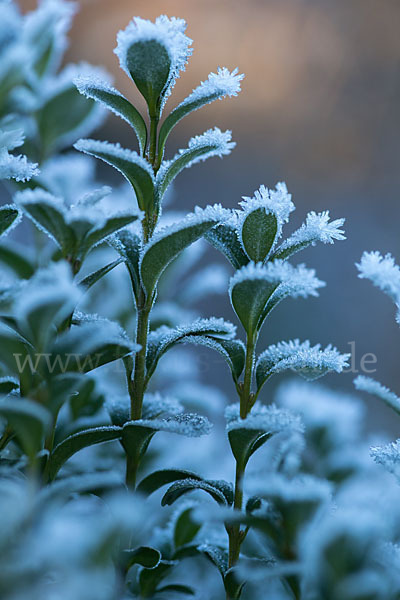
column 149, row 65
column 60, row 116
column 149, row 579
column 244, row 442
column 98, row 234
column 136, row 438
column 258, row 233
column 48, row 214
column 217, row 555
column 224, row 237
column 87, row 347
column 163, row 339
column 233, row 351
column 16, row 352
column 128, row 245
column 15, row 258
column 178, row 588
column 117, row 103
column 7, row 385
column 94, row 277
column 157, row 479
column 287, row 251
column 83, row 439
column 28, row 420
column 179, row 488
column 143, row 555
column 171, row 241
column 8, row 215
column 249, row 295
column 233, row 584
column 185, row 528
column 133, row 167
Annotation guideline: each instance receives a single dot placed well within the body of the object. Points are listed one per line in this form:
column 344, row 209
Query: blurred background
column 319, row 110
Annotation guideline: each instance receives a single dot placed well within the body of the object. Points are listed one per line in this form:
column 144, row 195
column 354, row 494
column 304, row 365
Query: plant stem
column 235, row 533
column 248, row 376
column 139, row 383
column 153, row 138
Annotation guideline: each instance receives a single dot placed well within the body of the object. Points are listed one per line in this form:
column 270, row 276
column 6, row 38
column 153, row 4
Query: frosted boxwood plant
column 52, row 344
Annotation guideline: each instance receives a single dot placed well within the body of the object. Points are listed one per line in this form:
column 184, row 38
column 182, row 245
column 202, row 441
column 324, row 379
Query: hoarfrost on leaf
column 382, row 271
column 317, row 228
column 14, row 167
column 388, row 456
column 187, row 424
column 278, row 201
column 270, row 419
column 367, row 384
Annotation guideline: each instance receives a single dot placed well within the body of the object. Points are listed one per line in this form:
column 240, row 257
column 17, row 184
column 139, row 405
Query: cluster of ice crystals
column 303, row 357
column 14, row 167
column 382, row 271
column 88, row 146
column 278, row 201
column 169, row 32
column 300, row 282
column 187, row 424
column 388, row 456
column 265, row 418
column 317, row 228
column 217, row 85
column 367, row 384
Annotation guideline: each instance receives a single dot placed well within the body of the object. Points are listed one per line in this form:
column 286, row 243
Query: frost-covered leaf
column 224, row 237
column 72, row 444
column 14, row 167
column 153, row 54
column 158, row 479
column 185, row 527
column 149, row 579
column 170, row 241
column 217, row 86
column 101, row 91
column 144, row 556
column 309, row 361
column 15, row 350
column 250, row 288
column 129, row 245
column 388, row 456
column 213, row 142
column 317, row 228
column 29, row 420
column 179, row 488
column 133, row 167
column 249, row 434
column 8, row 217
column 163, row 339
column 94, row 277
column 367, row 384
column 384, row 274
column 15, row 258
column 49, row 215
column 87, row 347
column 8, row 384
column 233, row 351
column 177, row 588
column 233, row 584
column 261, row 220
column 136, row 435
column 217, row 555
column 65, row 114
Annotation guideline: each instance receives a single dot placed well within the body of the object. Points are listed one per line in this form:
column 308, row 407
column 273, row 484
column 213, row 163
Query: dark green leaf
column 249, row 297
column 233, row 351
column 233, row 584
column 132, row 166
column 129, row 245
column 185, row 528
column 118, row 104
column 94, row 277
column 258, row 234
column 217, row 555
column 7, row 385
column 149, row 579
column 177, row 588
column 83, row 439
column 15, row 258
column 28, row 420
column 143, row 555
column 170, row 242
column 157, row 479
column 179, row 488
column 224, row 237
column 8, row 214
column 149, row 64
column 244, row 442
column 98, row 234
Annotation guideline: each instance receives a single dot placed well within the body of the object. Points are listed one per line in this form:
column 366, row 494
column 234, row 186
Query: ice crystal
column 217, row 85
column 309, row 361
column 169, row 32
column 317, row 228
column 382, row 271
column 14, row 167
column 367, row 384
column 187, row 424
column 266, row 418
column 278, row 202
column 388, row 456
